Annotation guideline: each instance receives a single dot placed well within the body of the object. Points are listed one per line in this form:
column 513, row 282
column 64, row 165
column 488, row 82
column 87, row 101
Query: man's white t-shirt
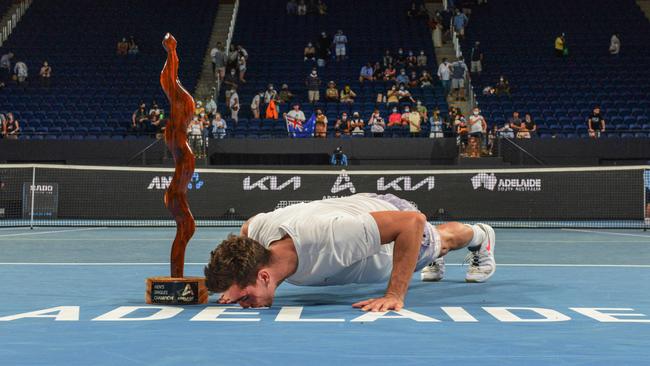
column 337, row 240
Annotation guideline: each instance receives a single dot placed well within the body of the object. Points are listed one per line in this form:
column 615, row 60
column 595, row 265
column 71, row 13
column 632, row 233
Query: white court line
column 606, row 232
column 14, row 228
column 108, row 264
column 51, row 232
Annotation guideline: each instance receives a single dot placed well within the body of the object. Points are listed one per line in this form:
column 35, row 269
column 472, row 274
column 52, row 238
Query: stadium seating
column 275, row 43
column 517, row 38
column 93, row 91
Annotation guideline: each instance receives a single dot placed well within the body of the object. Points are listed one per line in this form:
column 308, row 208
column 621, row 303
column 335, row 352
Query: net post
column 32, row 188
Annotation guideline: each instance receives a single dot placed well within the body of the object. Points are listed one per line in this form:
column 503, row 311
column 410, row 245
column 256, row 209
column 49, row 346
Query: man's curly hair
column 235, row 261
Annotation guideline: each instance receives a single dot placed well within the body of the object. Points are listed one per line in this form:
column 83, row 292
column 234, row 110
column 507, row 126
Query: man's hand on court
column 386, row 303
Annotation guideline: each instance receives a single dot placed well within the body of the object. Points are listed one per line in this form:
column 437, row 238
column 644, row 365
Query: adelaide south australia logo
column 490, row 182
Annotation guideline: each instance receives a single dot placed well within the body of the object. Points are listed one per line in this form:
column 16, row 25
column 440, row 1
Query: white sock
column 477, row 239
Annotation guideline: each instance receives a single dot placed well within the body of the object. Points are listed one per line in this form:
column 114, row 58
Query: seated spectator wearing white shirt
column 295, row 116
column 377, row 124
column 218, row 127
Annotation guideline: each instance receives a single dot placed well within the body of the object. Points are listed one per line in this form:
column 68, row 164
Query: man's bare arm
column 406, row 230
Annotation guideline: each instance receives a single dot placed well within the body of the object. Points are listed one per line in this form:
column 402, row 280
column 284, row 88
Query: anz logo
column 163, row 182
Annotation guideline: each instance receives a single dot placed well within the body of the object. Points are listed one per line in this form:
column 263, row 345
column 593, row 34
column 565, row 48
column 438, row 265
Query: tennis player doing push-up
column 364, row 238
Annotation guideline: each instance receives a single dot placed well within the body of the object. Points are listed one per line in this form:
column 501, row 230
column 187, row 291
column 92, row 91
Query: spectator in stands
column 367, row 73
column 461, row 131
column 506, row 131
column 426, row 81
column 514, row 122
column 302, row 8
column 231, row 81
column 444, row 74
column 477, row 125
column 313, row 85
column 411, row 61
column 270, row 94
column 377, row 124
column 395, row 118
column 122, row 47
column 595, row 123
column 422, row 109
column 530, row 124
column 377, row 71
column 219, row 126
column 387, row 59
column 357, row 125
column 502, row 87
column 402, row 78
column 392, row 96
column 133, row 47
column 10, row 127
column 404, row 95
column 340, row 45
column 155, row 111
column 347, row 95
column 459, row 23
column 241, row 65
column 195, row 132
column 342, row 125
column 331, row 93
column 414, row 81
column 421, row 60
column 321, row 7
column 233, row 104
column 310, row 52
column 435, row 24
column 400, row 59
column 218, row 61
column 414, row 121
column 21, row 72
column 241, row 51
column 232, row 58
column 295, row 116
column 205, row 126
column 323, row 50
column 156, row 121
column 139, row 119
column 458, row 75
column 320, row 128
column 614, row 45
column 435, row 122
column 292, row 7
column 255, row 104
column 211, row 105
column 476, row 59
column 560, row 46
column 389, row 73
column 46, row 74
column 198, row 108
column 285, row 94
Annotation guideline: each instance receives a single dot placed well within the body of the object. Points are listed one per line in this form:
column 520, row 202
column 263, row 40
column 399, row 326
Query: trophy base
column 176, row 291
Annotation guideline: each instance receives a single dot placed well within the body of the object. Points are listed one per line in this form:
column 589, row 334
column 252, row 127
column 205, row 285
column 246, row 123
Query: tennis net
column 62, row 195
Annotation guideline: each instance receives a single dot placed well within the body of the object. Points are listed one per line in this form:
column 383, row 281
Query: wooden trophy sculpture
column 177, row 289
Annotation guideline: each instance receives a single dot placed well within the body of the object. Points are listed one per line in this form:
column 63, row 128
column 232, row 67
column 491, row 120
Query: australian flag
column 299, row 129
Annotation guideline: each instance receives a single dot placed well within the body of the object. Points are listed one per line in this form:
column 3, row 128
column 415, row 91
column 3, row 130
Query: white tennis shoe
column 435, row 271
column 481, row 262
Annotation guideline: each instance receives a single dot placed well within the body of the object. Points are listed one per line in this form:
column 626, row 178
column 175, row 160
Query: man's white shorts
column 340, row 50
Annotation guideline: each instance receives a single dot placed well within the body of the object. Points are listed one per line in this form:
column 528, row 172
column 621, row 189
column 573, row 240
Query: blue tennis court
column 75, row 296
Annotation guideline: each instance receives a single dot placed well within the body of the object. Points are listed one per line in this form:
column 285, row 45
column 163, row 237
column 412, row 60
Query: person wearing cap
column 331, row 93
column 285, row 94
column 313, row 84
